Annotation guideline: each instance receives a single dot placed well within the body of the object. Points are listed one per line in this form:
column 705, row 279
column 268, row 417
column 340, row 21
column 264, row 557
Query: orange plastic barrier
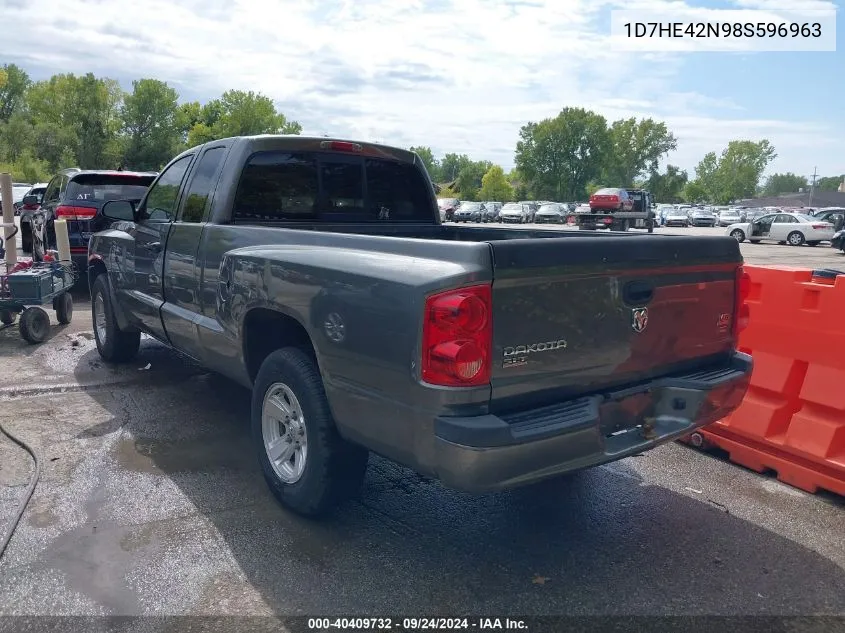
column 792, row 419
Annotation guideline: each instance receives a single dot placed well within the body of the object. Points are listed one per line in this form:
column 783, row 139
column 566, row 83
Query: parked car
column 531, row 207
column 237, row 257
column 784, row 228
column 611, row 199
column 491, row 213
column 702, row 217
column 677, row 217
column 834, row 215
column 730, row 216
column 447, row 208
column 470, row 212
column 551, row 213
column 19, row 190
column 77, row 196
column 37, row 192
column 514, row 212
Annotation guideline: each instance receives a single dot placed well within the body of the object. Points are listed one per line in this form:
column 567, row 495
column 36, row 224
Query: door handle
column 638, row 292
column 155, row 247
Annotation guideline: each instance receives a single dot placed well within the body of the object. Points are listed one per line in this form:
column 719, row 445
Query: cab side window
column 202, row 185
column 160, row 204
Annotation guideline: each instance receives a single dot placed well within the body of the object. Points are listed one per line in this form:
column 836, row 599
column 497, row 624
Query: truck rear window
column 286, row 186
column 103, row 187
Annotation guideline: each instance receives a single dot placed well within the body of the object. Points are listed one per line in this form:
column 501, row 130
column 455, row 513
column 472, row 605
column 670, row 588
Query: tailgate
column 579, row 314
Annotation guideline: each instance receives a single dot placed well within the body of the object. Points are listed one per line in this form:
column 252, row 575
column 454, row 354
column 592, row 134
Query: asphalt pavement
column 151, row 502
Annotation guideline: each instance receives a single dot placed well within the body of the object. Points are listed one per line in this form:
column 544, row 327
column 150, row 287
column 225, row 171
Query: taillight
column 741, row 309
column 613, row 198
column 457, row 337
column 341, row 146
column 822, row 226
column 75, row 213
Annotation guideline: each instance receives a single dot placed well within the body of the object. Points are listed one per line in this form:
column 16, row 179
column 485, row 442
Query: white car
column 513, row 212
column 785, row 228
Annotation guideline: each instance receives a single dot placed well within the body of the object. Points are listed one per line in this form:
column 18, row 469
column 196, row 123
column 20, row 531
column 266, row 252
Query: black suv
column 78, row 196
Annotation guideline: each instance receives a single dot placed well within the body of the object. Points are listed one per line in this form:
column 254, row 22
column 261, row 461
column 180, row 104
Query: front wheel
column 795, row 238
column 7, row 317
column 113, row 344
column 63, row 305
column 738, row 235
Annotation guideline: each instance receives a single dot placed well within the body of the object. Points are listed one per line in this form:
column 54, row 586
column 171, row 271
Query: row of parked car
column 524, row 212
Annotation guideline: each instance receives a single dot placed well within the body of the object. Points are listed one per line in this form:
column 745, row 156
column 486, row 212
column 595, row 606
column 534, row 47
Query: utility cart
column 27, row 286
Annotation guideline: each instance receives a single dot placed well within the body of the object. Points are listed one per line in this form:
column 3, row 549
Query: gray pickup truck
column 317, row 273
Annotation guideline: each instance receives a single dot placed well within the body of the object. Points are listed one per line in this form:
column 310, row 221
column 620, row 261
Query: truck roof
column 294, row 142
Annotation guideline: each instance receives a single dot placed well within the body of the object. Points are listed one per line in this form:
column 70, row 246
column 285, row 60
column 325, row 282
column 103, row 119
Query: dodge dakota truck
column 317, row 273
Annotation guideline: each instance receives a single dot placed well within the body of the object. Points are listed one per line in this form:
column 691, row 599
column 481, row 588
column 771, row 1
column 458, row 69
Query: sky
column 456, row 75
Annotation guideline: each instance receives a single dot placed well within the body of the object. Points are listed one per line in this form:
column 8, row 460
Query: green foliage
column 27, row 169
column 445, row 192
column 784, row 183
column 736, row 173
column 152, row 125
column 829, row 183
column 559, row 156
column 636, row 147
column 452, row 164
column 694, row 191
column 668, row 187
column 89, row 122
column 470, row 177
column 14, row 82
column 495, row 186
column 239, row 113
column 432, row 165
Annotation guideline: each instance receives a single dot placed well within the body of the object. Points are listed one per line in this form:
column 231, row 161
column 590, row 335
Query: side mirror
column 119, row 210
column 30, row 200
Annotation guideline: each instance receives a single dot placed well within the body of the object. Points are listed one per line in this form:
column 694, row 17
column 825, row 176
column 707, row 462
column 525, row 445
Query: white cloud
column 459, row 76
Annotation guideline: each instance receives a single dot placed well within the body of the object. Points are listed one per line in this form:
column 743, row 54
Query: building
column 820, row 199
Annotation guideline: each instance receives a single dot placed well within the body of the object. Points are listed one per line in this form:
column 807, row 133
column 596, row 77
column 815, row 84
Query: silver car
column 514, row 213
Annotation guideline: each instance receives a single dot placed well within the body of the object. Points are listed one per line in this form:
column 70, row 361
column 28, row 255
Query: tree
column 151, row 122
column 736, row 173
column 694, row 191
column 636, row 147
column 14, row 82
column 560, row 156
column 667, row 187
column 470, row 177
column 240, row 113
column 829, row 183
column 452, row 164
column 784, row 183
column 432, row 165
column 494, row 186
column 16, row 136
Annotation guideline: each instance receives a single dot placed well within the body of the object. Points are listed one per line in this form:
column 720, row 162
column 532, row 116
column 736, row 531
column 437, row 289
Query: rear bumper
column 487, row 453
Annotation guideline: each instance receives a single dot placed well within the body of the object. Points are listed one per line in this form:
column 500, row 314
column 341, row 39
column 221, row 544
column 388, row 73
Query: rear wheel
column 754, row 241
column 796, row 238
column 7, row 317
column 738, row 235
column 813, row 243
column 308, row 466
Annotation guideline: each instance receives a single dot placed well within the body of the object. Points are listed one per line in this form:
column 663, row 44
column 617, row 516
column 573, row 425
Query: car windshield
column 607, row 192
column 549, row 208
column 512, row 207
column 104, row 187
column 470, row 206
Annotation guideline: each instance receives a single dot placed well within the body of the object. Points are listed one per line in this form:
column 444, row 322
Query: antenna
column 812, row 187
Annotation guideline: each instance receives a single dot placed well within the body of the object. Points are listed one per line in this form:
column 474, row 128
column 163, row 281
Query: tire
column 7, row 317
column 796, row 238
column 754, row 241
column 34, row 325
column 26, row 238
column 738, row 235
column 63, row 305
column 332, row 469
column 813, row 243
column 113, row 344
